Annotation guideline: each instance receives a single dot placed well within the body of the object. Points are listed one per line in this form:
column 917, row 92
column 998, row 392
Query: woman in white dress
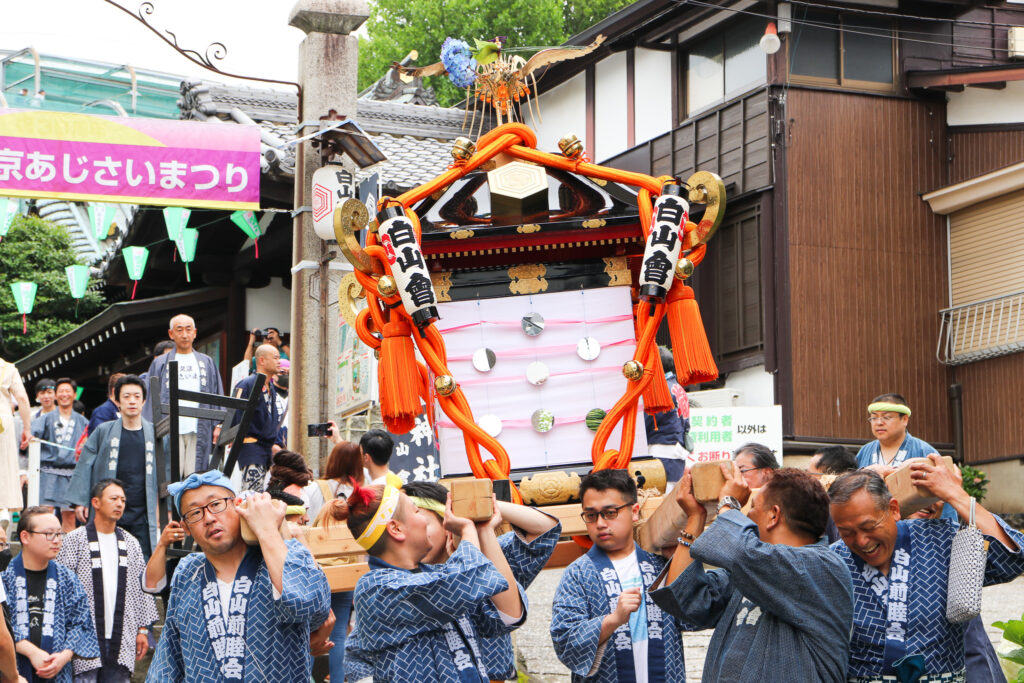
column 12, row 393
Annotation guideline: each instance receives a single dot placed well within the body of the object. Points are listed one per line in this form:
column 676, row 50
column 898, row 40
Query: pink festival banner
column 86, row 157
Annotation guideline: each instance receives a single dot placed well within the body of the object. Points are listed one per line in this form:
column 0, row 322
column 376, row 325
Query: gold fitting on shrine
column 571, row 146
column 684, row 268
column 444, row 385
column 386, row 286
column 463, row 149
column 376, row 354
column 633, row 370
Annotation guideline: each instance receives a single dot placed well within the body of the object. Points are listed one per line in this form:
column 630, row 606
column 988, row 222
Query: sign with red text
column 716, row 433
column 86, row 157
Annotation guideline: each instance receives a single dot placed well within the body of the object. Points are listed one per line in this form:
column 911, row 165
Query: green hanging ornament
column 8, row 210
column 24, row 297
column 135, row 261
column 187, row 248
column 78, row 281
column 176, row 220
column 246, row 220
column 100, row 218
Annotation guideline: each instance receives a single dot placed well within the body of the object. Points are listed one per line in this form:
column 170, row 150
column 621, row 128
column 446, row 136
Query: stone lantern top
column 329, row 16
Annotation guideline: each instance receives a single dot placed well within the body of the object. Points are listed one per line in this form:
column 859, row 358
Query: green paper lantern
column 8, row 210
column 100, row 218
column 176, row 220
column 78, row 280
column 135, row 261
column 187, row 248
column 24, row 298
column 246, row 220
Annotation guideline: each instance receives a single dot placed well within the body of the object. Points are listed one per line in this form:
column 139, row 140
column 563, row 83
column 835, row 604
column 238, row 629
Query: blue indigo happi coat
column 926, row 630
column 581, row 604
column 276, row 630
column 402, row 617
column 775, row 608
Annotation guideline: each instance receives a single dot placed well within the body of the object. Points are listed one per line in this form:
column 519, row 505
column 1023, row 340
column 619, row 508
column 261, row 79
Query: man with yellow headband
column 238, row 612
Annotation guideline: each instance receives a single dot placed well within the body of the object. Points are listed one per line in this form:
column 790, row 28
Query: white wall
column 981, row 106
column 652, row 93
column 609, row 107
column 269, row 306
column 756, row 384
column 563, row 110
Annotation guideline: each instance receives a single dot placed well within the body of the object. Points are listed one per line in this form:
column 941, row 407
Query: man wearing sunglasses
column 238, row 612
column 604, row 627
column 50, row 610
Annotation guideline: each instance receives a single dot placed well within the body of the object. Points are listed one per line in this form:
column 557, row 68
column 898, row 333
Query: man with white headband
column 238, row 613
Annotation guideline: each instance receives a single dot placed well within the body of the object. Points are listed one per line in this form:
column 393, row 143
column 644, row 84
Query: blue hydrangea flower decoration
column 459, row 62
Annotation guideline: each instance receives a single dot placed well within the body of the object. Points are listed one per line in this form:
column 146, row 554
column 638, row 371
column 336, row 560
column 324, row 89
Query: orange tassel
column 398, row 378
column 657, row 397
column 690, row 348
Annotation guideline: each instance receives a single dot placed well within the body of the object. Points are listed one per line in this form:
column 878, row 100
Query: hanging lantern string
column 24, row 323
column 134, row 287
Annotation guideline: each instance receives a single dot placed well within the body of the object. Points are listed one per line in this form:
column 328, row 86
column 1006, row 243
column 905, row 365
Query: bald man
column 264, row 437
column 196, row 372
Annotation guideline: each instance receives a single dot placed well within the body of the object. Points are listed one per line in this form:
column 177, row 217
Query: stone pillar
column 328, row 60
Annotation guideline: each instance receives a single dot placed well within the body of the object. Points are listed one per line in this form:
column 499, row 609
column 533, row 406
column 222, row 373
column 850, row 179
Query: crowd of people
column 804, row 575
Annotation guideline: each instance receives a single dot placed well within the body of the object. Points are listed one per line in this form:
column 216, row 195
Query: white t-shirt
column 108, row 558
column 629, row 577
column 3, row 593
column 188, row 379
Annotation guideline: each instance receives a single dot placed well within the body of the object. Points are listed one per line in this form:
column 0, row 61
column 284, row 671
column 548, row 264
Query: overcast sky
column 256, row 32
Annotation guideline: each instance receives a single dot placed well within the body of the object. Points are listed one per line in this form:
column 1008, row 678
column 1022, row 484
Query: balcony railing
column 982, row 329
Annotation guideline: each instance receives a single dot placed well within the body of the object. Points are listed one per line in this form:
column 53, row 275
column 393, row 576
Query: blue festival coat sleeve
column 697, row 597
column 526, row 559
column 167, row 664
column 79, row 489
column 575, row 629
column 1003, row 564
column 392, row 611
column 80, row 631
column 306, row 595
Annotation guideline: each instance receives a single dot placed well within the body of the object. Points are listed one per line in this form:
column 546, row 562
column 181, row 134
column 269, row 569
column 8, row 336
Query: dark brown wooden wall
column 975, row 153
column 867, row 261
column 993, row 406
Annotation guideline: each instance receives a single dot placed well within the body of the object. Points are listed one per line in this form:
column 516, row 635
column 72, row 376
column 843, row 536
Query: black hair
column 377, row 444
column 285, row 497
column 836, row 460
column 102, row 484
column 129, row 379
column 844, row 488
column 764, row 458
column 426, row 489
column 160, row 348
column 602, row 480
column 66, row 380
column 890, row 398
column 802, row 500
column 30, row 513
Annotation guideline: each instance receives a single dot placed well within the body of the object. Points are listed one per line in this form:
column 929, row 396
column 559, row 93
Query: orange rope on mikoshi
column 385, row 321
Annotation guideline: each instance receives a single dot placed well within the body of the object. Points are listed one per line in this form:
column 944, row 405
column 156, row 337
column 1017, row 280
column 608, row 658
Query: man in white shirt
column 109, row 563
column 196, row 372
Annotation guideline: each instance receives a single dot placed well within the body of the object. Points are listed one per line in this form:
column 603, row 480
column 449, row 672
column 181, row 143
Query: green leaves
column 37, row 251
column 1013, row 630
column 975, row 481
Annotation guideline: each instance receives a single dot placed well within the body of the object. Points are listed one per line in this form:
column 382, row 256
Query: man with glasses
column 900, row 571
column 756, row 463
column 109, row 563
column 51, row 616
column 602, row 624
column 238, row 613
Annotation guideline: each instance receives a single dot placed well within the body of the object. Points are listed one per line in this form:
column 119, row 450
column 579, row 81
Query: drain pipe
column 956, row 413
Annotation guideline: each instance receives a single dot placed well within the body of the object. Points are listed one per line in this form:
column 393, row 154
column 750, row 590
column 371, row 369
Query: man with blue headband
column 238, row 612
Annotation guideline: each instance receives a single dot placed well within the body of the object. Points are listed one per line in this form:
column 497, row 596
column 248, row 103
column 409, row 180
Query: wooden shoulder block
column 344, row 577
column 912, row 498
column 708, row 481
column 472, row 498
column 662, row 528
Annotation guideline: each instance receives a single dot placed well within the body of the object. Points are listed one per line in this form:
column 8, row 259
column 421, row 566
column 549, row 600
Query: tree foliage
column 38, row 251
column 396, row 27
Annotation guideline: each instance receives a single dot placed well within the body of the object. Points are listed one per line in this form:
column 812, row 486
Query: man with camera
column 258, row 337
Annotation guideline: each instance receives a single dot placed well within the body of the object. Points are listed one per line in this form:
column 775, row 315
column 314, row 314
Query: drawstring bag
column 966, row 573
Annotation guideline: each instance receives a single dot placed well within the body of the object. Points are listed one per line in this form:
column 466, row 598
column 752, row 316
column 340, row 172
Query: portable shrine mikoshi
column 532, row 285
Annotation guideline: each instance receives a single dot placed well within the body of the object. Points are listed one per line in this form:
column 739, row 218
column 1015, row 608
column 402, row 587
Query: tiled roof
column 415, row 138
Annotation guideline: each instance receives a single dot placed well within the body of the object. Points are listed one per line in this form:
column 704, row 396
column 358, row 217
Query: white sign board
column 332, row 185
column 717, row 432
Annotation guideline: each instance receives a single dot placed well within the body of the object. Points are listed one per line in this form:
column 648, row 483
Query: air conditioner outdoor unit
column 1015, row 42
column 715, row 398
